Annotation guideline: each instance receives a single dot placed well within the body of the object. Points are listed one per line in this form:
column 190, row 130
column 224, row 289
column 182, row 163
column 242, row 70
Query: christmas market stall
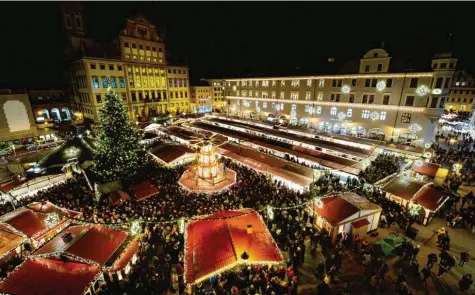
column 51, row 277
column 227, row 240
column 348, row 214
column 425, row 171
column 38, row 221
column 172, row 155
column 118, row 197
column 144, row 190
column 411, row 194
column 11, row 243
column 294, row 176
column 113, row 251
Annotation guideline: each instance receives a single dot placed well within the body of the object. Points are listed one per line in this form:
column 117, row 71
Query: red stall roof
column 92, row 242
column 144, row 190
column 428, row 169
column 335, row 209
column 403, row 188
column 50, row 277
column 8, row 240
column 216, row 243
column 430, row 198
column 32, row 223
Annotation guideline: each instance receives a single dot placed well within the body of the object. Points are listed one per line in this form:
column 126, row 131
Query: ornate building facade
column 462, row 93
column 139, row 74
column 376, row 101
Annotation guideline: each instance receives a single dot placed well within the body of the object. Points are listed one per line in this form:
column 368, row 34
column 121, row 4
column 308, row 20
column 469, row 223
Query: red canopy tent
column 32, row 223
column 216, row 243
column 98, row 244
column 50, row 277
column 144, row 190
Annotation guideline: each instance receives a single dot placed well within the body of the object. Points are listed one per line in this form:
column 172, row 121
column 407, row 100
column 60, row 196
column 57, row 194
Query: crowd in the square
column 160, row 264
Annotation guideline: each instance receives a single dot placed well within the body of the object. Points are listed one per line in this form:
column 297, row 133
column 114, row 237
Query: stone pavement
column 353, row 271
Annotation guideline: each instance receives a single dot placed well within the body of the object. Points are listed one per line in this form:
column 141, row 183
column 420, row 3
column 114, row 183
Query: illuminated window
column 274, row 95
column 320, row 96
column 307, row 95
column 349, row 113
column 294, row 95
column 282, row 83
column 281, row 106
column 244, row 83
column 274, row 83
column 309, row 83
column 257, row 84
column 365, row 114
column 295, row 83
column 264, row 105
column 265, row 83
column 113, row 82
column 105, row 84
column 250, row 93
column 265, row 95
column 406, row 118
column 319, row 110
column 282, row 95
column 321, row 83
column 237, row 93
column 257, row 94
column 333, row 111
column 382, row 116
column 95, row 82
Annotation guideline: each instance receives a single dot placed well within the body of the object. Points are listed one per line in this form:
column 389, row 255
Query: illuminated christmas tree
column 118, row 154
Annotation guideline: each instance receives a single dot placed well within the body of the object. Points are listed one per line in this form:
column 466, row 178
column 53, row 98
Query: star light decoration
column 181, row 225
column 345, row 89
column 135, row 228
column 51, row 220
column 234, row 88
column 270, row 213
column 414, row 128
column 72, row 151
column 422, row 90
column 258, row 109
column 318, row 203
column 341, row 116
column 381, row 85
column 415, row 209
column 277, row 107
column 374, row 116
column 437, row 91
column 457, row 167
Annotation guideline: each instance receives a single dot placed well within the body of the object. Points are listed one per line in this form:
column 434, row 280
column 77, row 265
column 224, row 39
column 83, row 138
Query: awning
column 144, row 190
column 360, row 223
column 217, row 243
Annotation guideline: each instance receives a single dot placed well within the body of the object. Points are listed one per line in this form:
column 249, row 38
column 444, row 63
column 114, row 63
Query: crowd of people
column 160, row 264
column 384, row 165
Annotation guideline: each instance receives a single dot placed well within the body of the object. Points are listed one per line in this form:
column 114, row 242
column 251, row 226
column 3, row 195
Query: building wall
column 387, row 105
column 17, row 121
column 143, row 79
column 217, row 93
column 460, row 99
column 201, row 98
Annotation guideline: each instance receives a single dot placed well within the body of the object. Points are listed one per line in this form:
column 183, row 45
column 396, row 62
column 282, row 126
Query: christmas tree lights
column 118, row 153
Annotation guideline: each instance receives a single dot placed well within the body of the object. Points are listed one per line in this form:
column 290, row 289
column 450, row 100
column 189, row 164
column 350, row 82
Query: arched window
column 377, row 134
column 406, row 138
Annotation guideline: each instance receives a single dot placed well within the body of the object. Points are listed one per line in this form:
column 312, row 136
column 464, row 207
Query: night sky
column 241, row 38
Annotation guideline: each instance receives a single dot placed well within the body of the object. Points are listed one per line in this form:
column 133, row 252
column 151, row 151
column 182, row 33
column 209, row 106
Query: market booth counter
column 226, row 240
column 347, row 213
column 409, row 193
